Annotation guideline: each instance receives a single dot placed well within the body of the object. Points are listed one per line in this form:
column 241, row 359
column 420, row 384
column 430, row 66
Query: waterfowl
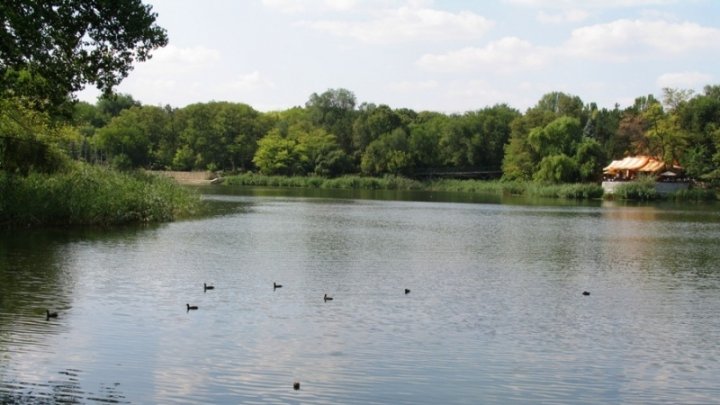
column 51, row 314
column 208, row 287
column 191, row 307
column 296, row 385
column 326, row 298
column 276, row 285
column 586, row 292
column 407, row 291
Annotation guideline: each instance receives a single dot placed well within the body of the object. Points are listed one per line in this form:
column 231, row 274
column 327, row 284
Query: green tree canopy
column 219, row 135
column 387, row 154
column 300, row 149
column 29, row 141
column 52, row 48
column 334, row 110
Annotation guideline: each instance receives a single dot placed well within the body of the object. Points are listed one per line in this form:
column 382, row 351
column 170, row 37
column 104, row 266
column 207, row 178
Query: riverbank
column 197, row 178
column 576, row 191
column 497, row 187
column 90, row 195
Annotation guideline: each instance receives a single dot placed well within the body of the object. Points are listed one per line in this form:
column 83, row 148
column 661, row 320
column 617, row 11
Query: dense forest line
column 559, row 139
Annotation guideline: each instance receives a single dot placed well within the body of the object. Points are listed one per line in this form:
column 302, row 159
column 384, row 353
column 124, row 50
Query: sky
column 448, row 56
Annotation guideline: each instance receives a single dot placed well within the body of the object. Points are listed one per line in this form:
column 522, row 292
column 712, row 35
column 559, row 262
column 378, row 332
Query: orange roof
column 653, row 166
column 636, row 163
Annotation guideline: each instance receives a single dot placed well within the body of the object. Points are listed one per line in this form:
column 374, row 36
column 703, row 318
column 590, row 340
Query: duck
column 208, row 287
column 191, row 307
column 50, row 314
column 327, row 298
column 586, row 293
column 407, row 291
column 296, row 385
column 276, row 285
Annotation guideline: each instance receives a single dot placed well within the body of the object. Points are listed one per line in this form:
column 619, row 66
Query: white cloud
column 174, row 60
column 285, row 6
column 341, row 4
column 299, row 6
column 563, row 4
column 251, row 81
column 623, row 40
column 407, row 23
column 684, row 80
column 573, row 15
column 507, row 55
column 414, row 86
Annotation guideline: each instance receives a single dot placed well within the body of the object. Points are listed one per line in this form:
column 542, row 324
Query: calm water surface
column 496, row 313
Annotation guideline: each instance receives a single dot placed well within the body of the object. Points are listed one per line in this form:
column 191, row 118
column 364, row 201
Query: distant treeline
column 560, row 139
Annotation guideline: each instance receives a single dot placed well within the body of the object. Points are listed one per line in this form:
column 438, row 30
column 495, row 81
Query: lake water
column 495, row 314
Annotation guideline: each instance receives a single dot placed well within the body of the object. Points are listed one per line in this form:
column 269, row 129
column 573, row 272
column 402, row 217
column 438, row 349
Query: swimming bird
column 326, row 298
column 407, row 291
column 208, row 287
column 276, row 285
column 296, row 385
column 191, row 307
column 586, row 292
column 50, row 314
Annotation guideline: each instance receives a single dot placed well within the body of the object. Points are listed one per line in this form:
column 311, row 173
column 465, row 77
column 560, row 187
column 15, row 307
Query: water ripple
column 495, row 314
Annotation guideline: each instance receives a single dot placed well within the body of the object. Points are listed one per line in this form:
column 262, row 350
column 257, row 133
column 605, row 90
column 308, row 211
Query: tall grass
column 572, row 191
column 642, row 189
column 91, row 195
column 694, row 194
column 344, row 182
column 520, row 188
column 532, row 189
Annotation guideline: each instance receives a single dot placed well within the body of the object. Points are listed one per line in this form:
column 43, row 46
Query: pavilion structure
column 629, row 168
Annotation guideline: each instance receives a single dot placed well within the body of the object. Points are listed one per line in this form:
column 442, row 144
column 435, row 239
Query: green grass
column 694, row 194
column 91, row 195
column 642, row 189
column 344, row 182
column 531, row 189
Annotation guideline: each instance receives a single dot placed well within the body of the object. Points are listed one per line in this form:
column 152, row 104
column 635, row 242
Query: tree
column 488, row 130
column 558, row 168
column 125, row 139
column 518, row 160
column 334, row 110
column 278, row 155
column 29, row 141
column 700, row 118
column 674, row 98
column 387, row 154
column 220, row 135
column 50, row 49
column 590, row 159
column 666, row 139
column 110, row 105
column 371, row 122
column 298, row 150
column 425, row 134
column 529, row 140
column 559, row 103
column 630, row 136
column 559, row 136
